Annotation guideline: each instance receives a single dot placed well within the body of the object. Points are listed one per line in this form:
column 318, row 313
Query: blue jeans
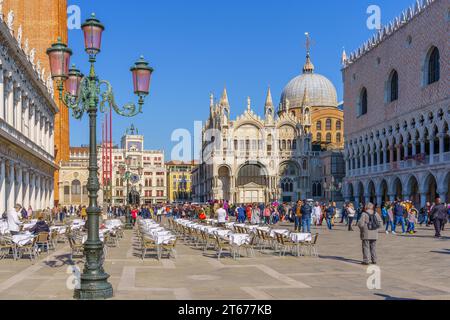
column 306, row 225
column 397, row 220
column 389, row 224
column 298, row 223
column 329, row 224
column 412, row 227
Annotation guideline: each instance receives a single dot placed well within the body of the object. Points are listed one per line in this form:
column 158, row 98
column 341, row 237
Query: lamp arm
column 107, row 98
column 78, row 104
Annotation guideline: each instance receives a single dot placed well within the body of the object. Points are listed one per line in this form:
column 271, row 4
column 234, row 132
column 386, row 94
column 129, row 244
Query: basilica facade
column 255, row 159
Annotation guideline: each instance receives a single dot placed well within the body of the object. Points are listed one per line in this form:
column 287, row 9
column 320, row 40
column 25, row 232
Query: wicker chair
column 148, row 244
column 311, row 246
column 76, row 247
column 30, row 249
column 43, row 241
column 53, row 240
column 7, row 247
column 249, row 246
column 223, row 245
column 283, row 244
column 170, row 248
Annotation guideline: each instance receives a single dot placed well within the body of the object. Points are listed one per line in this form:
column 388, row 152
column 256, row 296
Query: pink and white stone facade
column 400, row 148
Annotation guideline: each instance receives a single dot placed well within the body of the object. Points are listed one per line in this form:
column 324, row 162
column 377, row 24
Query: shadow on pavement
column 388, row 297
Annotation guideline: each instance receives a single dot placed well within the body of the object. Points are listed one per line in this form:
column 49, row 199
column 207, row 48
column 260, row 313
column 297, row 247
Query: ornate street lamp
column 89, row 95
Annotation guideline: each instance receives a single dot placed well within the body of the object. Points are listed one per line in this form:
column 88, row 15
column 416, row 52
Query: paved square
column 412, row 267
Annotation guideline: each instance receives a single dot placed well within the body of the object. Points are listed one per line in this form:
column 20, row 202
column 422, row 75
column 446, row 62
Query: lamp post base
column 94, row 291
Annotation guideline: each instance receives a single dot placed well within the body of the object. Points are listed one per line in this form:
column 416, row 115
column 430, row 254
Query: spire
column 308, row 67
column 211, row 103
column 269, row 102
column 305, row 102
column 344, row 58
column 224, row 99
column 249, row 104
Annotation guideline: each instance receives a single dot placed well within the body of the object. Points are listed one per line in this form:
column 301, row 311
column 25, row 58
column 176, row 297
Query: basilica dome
column 309, row 88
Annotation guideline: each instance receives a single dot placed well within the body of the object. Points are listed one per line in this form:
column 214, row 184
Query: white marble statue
column 26, row 47
column 19, row 36
column 32, row 55
column 10, row 20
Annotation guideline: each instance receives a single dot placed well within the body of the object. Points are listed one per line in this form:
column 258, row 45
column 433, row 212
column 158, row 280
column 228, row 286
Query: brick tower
column 43, row 21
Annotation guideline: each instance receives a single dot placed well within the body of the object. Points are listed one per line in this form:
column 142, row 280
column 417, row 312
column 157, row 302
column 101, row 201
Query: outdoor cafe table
column 239, row 239
column 283, row 232
column 210, row 230
column 113, row 223
column 223, row 233
column 60, row 229
column 28, row 226
column 301, row 237
column 22, row 239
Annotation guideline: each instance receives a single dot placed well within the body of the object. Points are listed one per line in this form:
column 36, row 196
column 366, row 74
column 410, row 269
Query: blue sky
column 197, row 47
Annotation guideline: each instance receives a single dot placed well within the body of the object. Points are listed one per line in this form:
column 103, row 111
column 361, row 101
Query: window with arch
column 393, row 86
column 328, row 125
column 363, row 102
column 433, row 66
column 338, row 137
column 319, row 125
column 339, row 125
column 76, row 187
column 328, row 137
column 319, row 137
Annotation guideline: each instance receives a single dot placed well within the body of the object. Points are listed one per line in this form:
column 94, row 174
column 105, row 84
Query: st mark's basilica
column 278, row 157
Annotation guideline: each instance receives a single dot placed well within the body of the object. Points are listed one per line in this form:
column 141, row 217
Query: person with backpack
column 306, row 211
column 369, row 224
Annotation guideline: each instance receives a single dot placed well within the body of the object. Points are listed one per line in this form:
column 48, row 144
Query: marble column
column 414, row 147
column 441, row 146
column 9, row 102
column 12, row 187
column 423, row 199
column 26, row 198
column 52, row 194
column 33, row 190
column 38, row 192
column 2, row 99
column 19, row 199
column 422, row 146
column 18, row 108
column 31, row 122
column 432, row 149
column 2, row 184
column 379, row 200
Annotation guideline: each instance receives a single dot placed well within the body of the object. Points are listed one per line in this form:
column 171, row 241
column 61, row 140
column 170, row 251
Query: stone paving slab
column 412, row 267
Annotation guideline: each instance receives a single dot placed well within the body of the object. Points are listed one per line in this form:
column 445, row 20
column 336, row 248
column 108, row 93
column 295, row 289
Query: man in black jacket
column 439, row 216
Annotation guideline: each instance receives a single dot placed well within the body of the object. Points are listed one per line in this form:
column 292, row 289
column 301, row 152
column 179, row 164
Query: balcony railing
column 436, row 159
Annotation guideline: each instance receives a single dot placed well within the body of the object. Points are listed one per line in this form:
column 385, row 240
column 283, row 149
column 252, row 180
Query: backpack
column 373, row 223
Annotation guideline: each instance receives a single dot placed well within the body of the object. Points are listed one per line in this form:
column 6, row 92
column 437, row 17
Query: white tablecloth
column 3, row 227
column 115, row 223
column 239, row 239
column 22, row 239
column 223, row 233
column 61, row 229
column 28, row 226
column 300, row 237
column 279, row 231
column 210, row 230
